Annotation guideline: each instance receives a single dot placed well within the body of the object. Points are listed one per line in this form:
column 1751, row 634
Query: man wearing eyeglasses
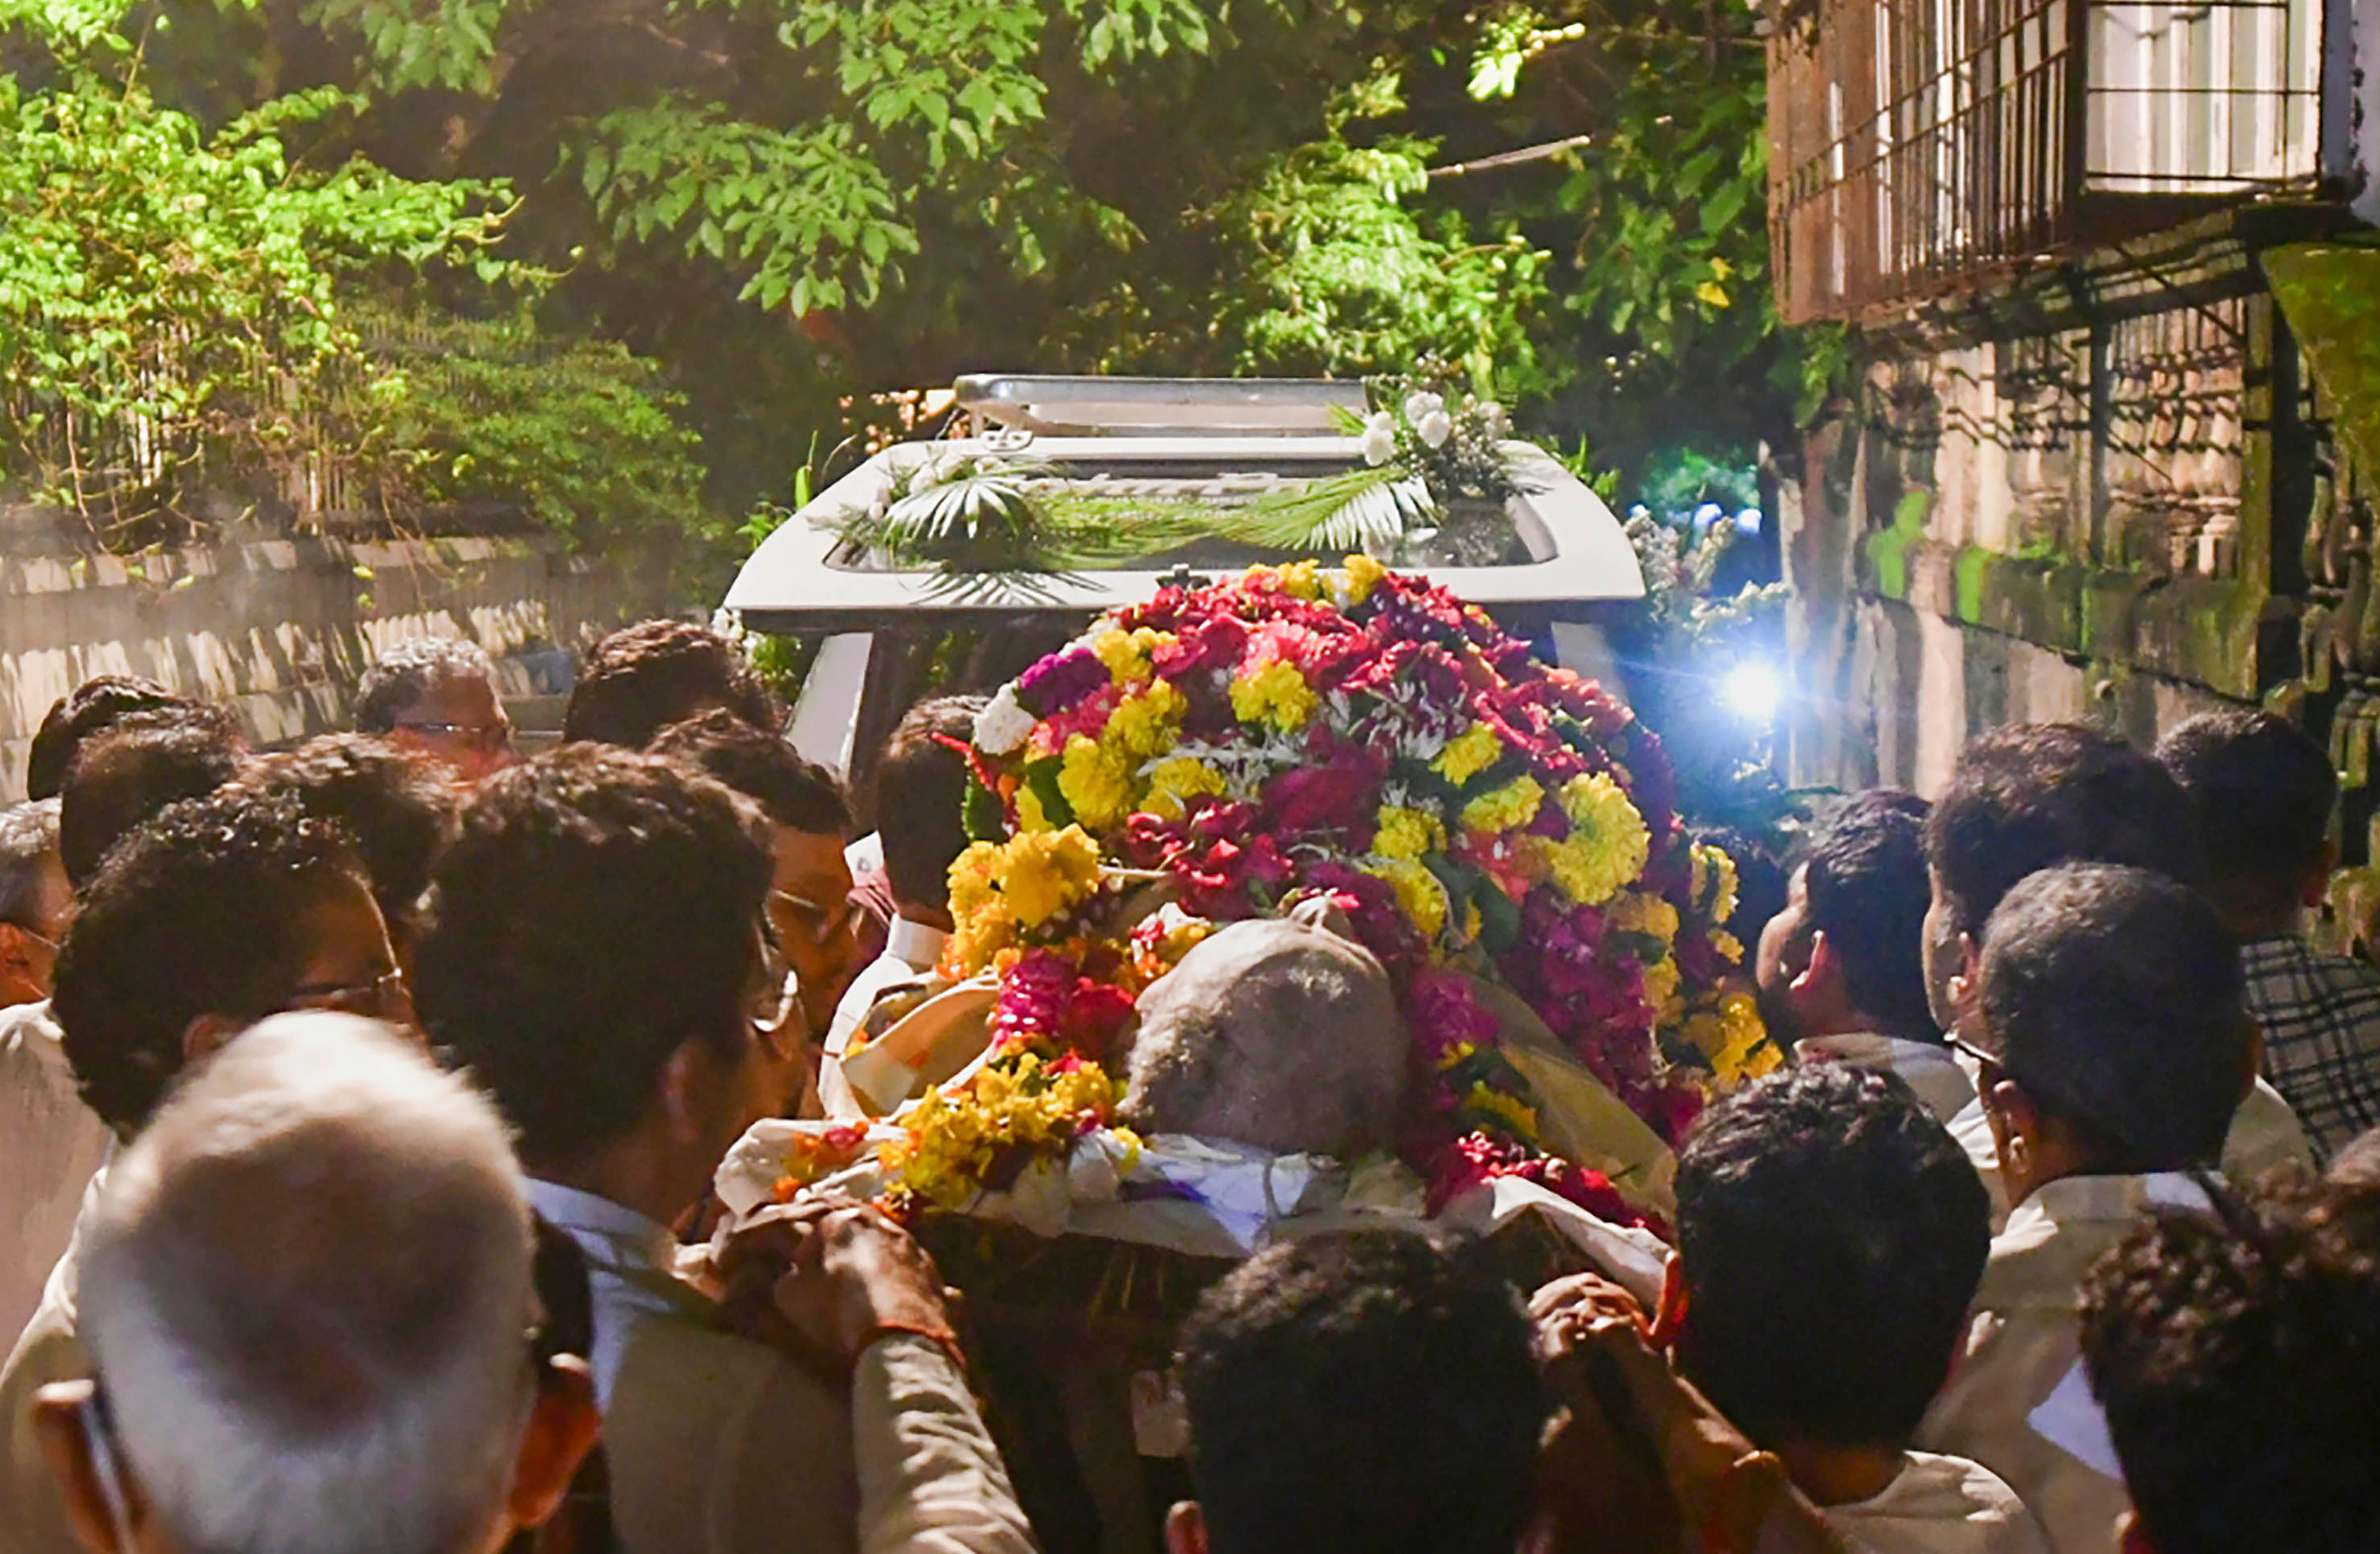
column 2114, row 1045
column 438, row 696
column 221, row 910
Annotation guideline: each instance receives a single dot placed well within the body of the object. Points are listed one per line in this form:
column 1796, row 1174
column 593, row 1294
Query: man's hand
column 829, row 1277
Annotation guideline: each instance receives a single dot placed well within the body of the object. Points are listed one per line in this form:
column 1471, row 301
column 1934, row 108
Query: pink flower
column 1338, row 796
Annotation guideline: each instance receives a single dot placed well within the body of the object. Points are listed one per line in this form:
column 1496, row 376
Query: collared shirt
column 50, row 1144
column 2264, row 1136
column 718, row 1445
column 911, row 950
column 2321, row 1015
column 1939, row 1505
column 2017, row 1400
column 33, row 1512
column 1929, row 1068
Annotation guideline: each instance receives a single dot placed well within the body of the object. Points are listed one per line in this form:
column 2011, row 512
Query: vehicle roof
column 794, row 583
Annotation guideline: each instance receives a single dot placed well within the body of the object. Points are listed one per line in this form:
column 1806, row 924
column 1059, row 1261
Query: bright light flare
column 1753, row 692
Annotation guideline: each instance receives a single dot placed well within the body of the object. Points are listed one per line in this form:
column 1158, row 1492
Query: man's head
column 597, row 947
column 809, row 824
column 138, row 765
column 2237, row 1357
column 219, row 911
column 1358, row 1392
column 921, row 786
column 2112, row 1027
column 2261, row 794
column 644, row 677
column 35, row 900
column 92, row 707
column 2023, row 799
column 437, row 696
column 305, row 1295
column 399, row 809
column 1847, row 953
column 1830, row 1236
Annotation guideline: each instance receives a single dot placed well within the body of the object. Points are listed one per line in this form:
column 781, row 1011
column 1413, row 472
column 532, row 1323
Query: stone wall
column 2082, row 500
column 280, row 628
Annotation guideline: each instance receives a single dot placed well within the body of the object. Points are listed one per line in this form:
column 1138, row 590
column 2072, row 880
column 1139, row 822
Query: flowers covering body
column 1478, row 817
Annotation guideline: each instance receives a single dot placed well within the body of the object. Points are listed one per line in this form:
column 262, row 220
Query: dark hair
column 644, row 677
column 1864, row 879
column 410, row 671
column 794, row 793
column 82, row 712
column 1361, row 1391
column 2114, row 996
column 1831, row 1234
column 29, row 834
column 599, row 910
column 201, row 911
column 2025, row 799
column 399, row 809
column 2261, row 791
column 921, row 786
column 140, row 763
column 2237, row 1356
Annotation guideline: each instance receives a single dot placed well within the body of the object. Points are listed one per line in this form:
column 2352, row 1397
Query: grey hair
column 306, row 1288
column 410, row 671
column 28, row 834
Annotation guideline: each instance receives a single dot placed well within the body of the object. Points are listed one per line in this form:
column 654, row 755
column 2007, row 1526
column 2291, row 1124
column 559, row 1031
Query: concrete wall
column 280, row 628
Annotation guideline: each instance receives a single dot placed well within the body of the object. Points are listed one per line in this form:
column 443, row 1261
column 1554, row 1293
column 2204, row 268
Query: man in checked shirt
column 2263, row 793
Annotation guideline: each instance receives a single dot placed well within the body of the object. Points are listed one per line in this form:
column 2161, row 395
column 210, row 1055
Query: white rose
column 1003, row 725
column 1379, row 438
column 1420, row 405
column 1493, row 420
column 1434, row 429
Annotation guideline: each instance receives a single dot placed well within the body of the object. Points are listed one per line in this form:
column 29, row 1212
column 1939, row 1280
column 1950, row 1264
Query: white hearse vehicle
column 1546, row 561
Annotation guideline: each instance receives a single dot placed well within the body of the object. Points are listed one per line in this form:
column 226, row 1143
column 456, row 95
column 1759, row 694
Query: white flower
column 1434, row 427
column 1493, row 420
column 728, row 623
column 1003, row 725
column 1379, row 438
column 1422, row 404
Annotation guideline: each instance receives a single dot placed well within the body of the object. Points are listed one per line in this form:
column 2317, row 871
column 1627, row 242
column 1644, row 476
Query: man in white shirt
column 309, row 1311
column 921, row 788
column 49, row 1141
column 2021, row 800
column 216, row 913
column 599, row 961
column 2234, row 1358
column 2113, row 1046
column 1829, row 1239
column 1841, row 971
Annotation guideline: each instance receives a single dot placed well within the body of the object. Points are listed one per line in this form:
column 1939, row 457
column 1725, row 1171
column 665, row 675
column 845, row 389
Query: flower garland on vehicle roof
column 1361, row 735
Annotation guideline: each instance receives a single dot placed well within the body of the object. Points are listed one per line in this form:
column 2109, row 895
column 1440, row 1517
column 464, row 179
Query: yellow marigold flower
column 1660, row 983
column 1407, row 833
column 970, row 876
column 1300, row 579
column 1147, row 724
column 1127, row 653
column 1419, row 895
column 1713, row 873
column 1364, row 575
column 1468, row 753
column 982, row 932
column 1519, row 1119
column 1173, row 782
column 1642, row 912
column 1096, row 780
column 1506, row 808
column 1273, row 692
column 1608, row 836
column 1726, row 944
column 1043, row 874
column 1744, row 1051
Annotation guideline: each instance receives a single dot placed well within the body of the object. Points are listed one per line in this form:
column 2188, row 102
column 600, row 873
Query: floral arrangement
column 1480, row 817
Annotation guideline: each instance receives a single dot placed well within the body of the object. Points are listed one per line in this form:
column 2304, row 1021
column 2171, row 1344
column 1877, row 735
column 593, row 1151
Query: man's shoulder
column 1942, row 1504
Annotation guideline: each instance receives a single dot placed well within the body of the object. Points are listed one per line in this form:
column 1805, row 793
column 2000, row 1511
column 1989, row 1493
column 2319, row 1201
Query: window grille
column 1919, row 143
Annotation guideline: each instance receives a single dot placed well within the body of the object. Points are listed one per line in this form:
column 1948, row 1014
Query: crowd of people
column 360, row 1104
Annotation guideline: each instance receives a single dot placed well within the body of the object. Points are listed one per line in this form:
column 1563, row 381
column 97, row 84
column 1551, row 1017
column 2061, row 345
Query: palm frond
column 1329, row 518
column 978, row 507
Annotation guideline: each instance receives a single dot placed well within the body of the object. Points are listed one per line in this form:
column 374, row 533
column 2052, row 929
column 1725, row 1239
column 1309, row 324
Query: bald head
column 307, row 1290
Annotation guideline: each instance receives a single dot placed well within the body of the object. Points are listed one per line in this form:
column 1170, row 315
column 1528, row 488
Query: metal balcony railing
column 1918, row 144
